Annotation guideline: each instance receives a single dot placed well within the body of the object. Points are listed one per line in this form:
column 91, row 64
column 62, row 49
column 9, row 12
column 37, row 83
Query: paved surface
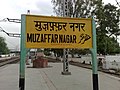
column 50, row 78
column 9, row 77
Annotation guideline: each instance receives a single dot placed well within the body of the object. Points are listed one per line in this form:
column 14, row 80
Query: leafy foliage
column 3, row 46
column 106, row 17
column 58, row 52
column 107, row 20
column 76, row 8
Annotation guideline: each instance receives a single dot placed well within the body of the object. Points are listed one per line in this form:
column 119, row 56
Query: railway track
column 9, row 61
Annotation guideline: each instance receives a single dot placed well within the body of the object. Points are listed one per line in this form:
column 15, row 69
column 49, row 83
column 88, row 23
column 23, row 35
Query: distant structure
column 28, row 11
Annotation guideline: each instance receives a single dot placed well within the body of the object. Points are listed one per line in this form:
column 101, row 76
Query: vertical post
column 94, row 58
column 65, row 51
column 65, row 63
column 22, row 55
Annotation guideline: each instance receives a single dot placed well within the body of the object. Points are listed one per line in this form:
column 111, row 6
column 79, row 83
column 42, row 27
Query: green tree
column 40, row 50
column 47, row 51
column 79, row 51
column 3, row 46
column 106, row 17
column 58, row 52
column 108, row 45
column 76, row 8
column 107, row 22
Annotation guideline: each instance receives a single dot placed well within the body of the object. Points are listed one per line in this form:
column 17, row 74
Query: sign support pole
column 94, row 58
column 22, row 55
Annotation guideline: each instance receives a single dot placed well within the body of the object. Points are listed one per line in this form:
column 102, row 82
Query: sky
column 14, row 8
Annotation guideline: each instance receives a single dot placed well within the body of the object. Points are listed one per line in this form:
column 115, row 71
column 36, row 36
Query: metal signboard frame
column 25, row 27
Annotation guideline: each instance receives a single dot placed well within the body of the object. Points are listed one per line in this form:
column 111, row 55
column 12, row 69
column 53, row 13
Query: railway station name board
column 58, row 32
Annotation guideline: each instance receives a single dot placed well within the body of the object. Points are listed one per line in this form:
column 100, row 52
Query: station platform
column 50, row 78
